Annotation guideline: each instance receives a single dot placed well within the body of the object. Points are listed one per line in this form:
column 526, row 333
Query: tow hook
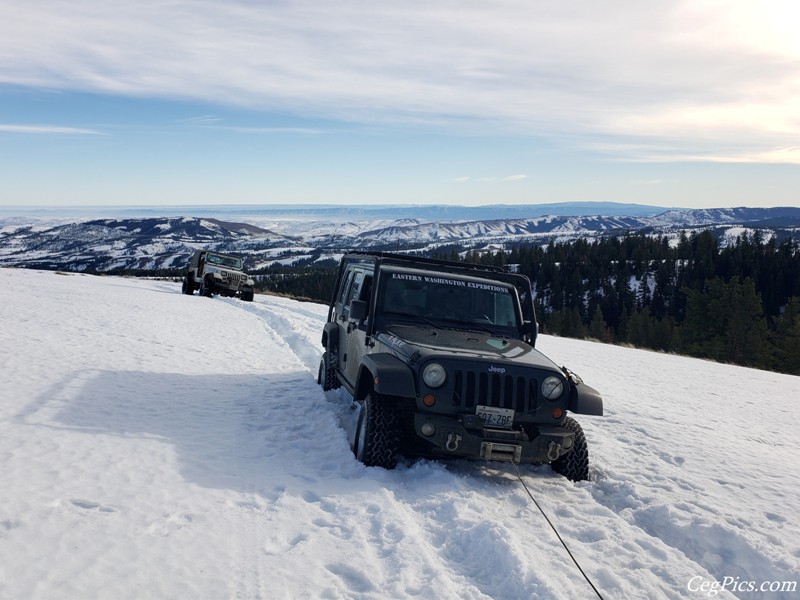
column 452, row 441
column 553, row 451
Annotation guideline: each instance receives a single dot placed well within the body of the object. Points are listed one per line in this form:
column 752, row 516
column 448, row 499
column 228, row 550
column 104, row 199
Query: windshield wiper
column 471, row 324
column 412, row 315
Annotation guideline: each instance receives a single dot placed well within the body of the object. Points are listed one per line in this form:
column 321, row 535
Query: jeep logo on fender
column 494, row 369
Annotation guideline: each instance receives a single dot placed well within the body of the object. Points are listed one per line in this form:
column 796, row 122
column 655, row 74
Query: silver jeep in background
column 216, row 273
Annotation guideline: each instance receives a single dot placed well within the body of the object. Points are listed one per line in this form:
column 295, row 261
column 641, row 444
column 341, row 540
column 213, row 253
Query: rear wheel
column 377, row 436
column 326, row 376
column 187, row 287
column 574, row 465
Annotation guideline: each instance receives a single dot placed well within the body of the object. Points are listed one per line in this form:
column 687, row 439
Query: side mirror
column 528, row 331
column 358, row 310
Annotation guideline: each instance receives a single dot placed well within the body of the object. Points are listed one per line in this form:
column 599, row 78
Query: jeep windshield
column 225, row 261
column 448, row 301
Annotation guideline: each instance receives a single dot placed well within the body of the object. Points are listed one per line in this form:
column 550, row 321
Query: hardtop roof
column 437, row 264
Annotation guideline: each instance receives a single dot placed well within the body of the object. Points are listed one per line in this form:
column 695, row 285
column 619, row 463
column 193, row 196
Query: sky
column 681, row 104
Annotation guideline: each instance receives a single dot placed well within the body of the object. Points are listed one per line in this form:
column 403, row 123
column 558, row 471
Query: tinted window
column 354, row 287
column 346, row 286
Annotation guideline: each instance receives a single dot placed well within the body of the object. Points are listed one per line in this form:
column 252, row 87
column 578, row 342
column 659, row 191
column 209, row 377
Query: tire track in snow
column 270, row 435
column 294, row 332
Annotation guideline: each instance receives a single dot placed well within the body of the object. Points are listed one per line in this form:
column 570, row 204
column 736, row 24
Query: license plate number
column 495, row 417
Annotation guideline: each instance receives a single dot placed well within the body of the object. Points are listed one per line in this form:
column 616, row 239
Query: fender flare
column 330, row 336
column 585, row 400
column 385, row 374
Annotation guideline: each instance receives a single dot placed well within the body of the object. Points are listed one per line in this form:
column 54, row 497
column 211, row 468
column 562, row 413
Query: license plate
column 495, row 417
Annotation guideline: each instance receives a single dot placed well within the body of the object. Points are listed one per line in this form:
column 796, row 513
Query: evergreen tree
column 726, row 322
column 664, row 334
column 787, row 338
column 598, row 328
column 746, row 339
column 640, row 329
column 573, row 323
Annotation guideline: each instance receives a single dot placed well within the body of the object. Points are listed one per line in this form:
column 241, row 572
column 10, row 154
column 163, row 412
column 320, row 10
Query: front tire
column 207, row 287
column 574, row 465
column 377, row 439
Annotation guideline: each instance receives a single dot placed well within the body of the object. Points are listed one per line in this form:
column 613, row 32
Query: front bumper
column 234, row 288
column 452, row 438
column 232, row 285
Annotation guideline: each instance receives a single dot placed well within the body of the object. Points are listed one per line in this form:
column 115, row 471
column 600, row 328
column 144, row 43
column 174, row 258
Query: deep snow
column 155, row 445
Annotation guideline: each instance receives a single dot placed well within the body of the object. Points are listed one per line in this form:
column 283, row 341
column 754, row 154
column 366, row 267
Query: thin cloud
column 203, row 121
column 709, row 74
column 506, row 179
column 212, row 121
column 48, row 129
column 781, row 156
column 277, row 130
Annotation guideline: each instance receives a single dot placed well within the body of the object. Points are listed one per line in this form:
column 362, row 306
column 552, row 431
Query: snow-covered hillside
column 161, row 242
column 155, row 445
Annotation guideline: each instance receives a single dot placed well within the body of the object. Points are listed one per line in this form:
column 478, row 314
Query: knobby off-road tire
column 377, row 440
column 247, row 295
column 326, row 375
column 187, row 287
column 574, row 465
column 207, row 287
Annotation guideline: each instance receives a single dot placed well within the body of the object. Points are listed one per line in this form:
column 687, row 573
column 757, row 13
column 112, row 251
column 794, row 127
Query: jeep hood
column 454, row 343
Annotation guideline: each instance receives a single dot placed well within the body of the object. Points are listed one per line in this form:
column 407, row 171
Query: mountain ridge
column 166, row 242
column 449, row 212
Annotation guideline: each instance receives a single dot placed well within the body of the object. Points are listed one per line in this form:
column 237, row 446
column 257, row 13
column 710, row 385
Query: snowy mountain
column 165, row 242
column 107, row 244
column 156, row 445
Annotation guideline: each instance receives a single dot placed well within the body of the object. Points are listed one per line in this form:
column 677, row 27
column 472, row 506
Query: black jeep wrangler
column 440, row 358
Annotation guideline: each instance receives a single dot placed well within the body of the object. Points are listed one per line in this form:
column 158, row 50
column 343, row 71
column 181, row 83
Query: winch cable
column 558, row 535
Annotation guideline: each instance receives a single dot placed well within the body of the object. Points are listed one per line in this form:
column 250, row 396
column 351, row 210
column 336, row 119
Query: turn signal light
column 557, row 413
column 429, row 400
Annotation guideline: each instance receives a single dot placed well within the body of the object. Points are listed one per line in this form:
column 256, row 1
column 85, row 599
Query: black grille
column 234, row 277
column 471, row 388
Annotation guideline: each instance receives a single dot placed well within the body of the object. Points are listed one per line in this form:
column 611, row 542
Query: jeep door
column 352, row 333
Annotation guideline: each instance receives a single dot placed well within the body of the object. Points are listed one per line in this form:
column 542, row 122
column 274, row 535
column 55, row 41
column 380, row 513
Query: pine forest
column 737, row 304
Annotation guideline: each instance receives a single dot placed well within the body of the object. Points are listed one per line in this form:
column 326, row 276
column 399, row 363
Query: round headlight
column 552, row 387
column 434, row 375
